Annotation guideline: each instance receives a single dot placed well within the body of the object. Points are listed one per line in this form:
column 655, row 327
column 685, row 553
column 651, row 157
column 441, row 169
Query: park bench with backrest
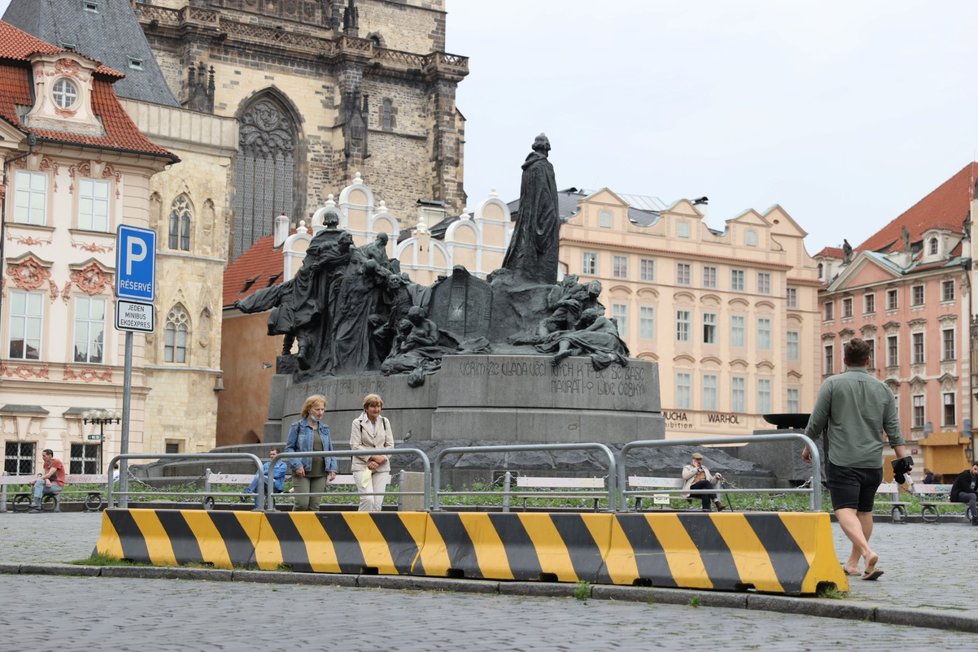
column 73, row 491
column 659, row 500
column 212, row 479
column 932, row 496
column 888, row 494
column 532, row 486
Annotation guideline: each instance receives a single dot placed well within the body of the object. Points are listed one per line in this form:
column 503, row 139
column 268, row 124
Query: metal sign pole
column 124, row 444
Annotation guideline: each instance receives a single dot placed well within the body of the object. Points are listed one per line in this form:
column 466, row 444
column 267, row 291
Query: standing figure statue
column 532, row 252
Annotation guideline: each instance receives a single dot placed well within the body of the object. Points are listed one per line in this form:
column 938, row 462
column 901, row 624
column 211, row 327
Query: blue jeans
column 41, row 488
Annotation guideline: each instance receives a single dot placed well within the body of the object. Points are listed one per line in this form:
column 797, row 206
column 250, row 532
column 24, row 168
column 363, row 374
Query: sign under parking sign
column 134, row 316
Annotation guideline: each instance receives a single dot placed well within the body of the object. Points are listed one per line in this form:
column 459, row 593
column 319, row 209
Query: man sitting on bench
column 51, row 481
column 278, row 477
column 697, row 476
column 965, row 490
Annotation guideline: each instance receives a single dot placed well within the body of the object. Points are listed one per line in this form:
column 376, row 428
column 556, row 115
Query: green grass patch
column 583, row 590
column 100, row 559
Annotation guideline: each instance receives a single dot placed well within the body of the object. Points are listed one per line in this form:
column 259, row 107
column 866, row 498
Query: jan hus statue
column 532, row 253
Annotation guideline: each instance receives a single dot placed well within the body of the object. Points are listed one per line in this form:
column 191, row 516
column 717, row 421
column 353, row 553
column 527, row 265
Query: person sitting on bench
column 51, row 481
column 697, row 476
column 278, row 477
column 965, row 490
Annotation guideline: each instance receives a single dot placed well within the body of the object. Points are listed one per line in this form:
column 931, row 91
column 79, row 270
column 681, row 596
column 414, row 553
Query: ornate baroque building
column 322, row 89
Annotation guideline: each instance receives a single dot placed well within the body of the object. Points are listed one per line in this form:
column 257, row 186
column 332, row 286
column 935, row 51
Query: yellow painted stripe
column 490, row 553
column 751, row 558
column 620, row 558
column 682, row 556
column 157, row 541
column 109, row 543
column 268, row 552
column 376, row 552
column 813, row 534
column 551, row 550
column 319, row 547
column 434, row 553
column 210, row 541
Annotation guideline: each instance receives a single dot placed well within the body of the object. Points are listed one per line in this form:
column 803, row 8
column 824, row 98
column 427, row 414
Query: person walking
column 853, row 408
column 310, row 474
column 371, row 473
column 965, row 490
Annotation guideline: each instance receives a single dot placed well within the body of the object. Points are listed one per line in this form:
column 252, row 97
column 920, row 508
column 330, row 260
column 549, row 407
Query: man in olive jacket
column 854, row 409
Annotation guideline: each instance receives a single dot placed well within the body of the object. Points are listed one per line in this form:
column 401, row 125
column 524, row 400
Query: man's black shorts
column 852, row 488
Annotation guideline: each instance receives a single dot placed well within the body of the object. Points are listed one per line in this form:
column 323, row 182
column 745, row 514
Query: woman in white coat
column 371, row 473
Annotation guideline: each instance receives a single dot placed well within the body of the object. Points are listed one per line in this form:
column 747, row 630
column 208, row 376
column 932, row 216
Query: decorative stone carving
column 92, row 278
column 29, row 273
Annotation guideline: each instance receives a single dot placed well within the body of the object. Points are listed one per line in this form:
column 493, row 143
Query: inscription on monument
column 567, row 379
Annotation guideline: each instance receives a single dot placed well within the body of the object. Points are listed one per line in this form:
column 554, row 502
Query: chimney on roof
column 281, row 230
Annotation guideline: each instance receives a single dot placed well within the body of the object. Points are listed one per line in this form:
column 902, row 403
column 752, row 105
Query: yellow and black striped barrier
column 789, row 553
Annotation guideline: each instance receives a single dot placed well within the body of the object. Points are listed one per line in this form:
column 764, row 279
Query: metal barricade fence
column 124, row 492
column 815, row 489
column 612, row 477
column 426, row 463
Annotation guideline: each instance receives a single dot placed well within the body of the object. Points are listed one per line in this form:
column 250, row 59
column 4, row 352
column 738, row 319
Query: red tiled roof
column 830, row 252
column 15, row 90
column 945, row 207
column 259, row 267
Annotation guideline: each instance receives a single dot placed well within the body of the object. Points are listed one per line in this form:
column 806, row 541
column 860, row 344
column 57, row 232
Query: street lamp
column 101, row 417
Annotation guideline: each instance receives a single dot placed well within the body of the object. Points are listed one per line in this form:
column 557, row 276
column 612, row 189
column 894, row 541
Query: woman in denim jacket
column 310, row 474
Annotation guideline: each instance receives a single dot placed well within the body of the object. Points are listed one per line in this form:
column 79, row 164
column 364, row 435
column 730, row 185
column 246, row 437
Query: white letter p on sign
column 134, row 245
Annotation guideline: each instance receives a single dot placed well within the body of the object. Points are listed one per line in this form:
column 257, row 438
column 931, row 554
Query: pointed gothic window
column 176, row 334
column 265, row 179
column 181, row 215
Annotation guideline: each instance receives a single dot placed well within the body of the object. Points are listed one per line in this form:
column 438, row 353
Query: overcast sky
column 844, row 112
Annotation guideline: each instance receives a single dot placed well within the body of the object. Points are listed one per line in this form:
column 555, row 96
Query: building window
column 619, row 266
column 646, row 322
column 135, row 63
column 763, row 333
column 794, row 401
column 764, row 395
column 682, row 229
column 620, row 313
column 950, row 418
column 792, row 295
column 604, row 219
column 709, row 392
column 18, row 457
column 93, row 205
column 947, row 290
column 387, row 115
column 26, row 325
column 89, row 329
column 828, row 364
column 847, row 307
column 647, row 269
column 918, row 411
column 792, row 350
column 891, row 299
column 683, row 274
column 173, row 447
column 947, row 344
column 709, row 328
column 872, row 354
column 709, row 277
column 821, row 270
column 764, row 282
column 892, row 357
column 917, row 295
column 738, row 394
column 684, row 390
column 737, row 280
column 31, row 198
column 84, row 458
column 589, row 263
column 750, row 238
column 176, row 335
column 682, row 325
column 65, row 93
column 932, row 247
column 737, row 330
column 918, row 348
column 869, row 303
column 180, row 222
column 90, row 5
column 829, row 311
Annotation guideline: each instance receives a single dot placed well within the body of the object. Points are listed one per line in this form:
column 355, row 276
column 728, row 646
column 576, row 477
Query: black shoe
column 34, row 510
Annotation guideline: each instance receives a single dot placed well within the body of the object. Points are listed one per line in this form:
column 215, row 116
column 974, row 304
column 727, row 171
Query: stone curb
column 818, row 607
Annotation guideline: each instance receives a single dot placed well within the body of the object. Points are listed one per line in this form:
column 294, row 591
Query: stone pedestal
column 501, row 398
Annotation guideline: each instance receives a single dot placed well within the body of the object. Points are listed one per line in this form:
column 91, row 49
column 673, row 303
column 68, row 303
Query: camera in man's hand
column 901, row 467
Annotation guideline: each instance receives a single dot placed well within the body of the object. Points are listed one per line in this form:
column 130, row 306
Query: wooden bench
column 652, row 483
column 211, row 479
column 575, row 488
column 890, row 491
column 933, row 496
column 22, row 499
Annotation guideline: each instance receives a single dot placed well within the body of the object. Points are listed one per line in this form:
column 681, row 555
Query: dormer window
column 932, row 247
column 135, row 64
column 90, row 5
column 65, row 93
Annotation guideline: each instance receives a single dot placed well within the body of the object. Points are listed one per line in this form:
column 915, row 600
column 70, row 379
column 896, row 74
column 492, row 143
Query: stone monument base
column 502, row 398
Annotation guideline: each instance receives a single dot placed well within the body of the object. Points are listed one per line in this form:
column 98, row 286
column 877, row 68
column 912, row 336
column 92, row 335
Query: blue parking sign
column 135, row 263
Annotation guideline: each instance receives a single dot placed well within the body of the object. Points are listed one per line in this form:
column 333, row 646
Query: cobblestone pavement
column 922, row 562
